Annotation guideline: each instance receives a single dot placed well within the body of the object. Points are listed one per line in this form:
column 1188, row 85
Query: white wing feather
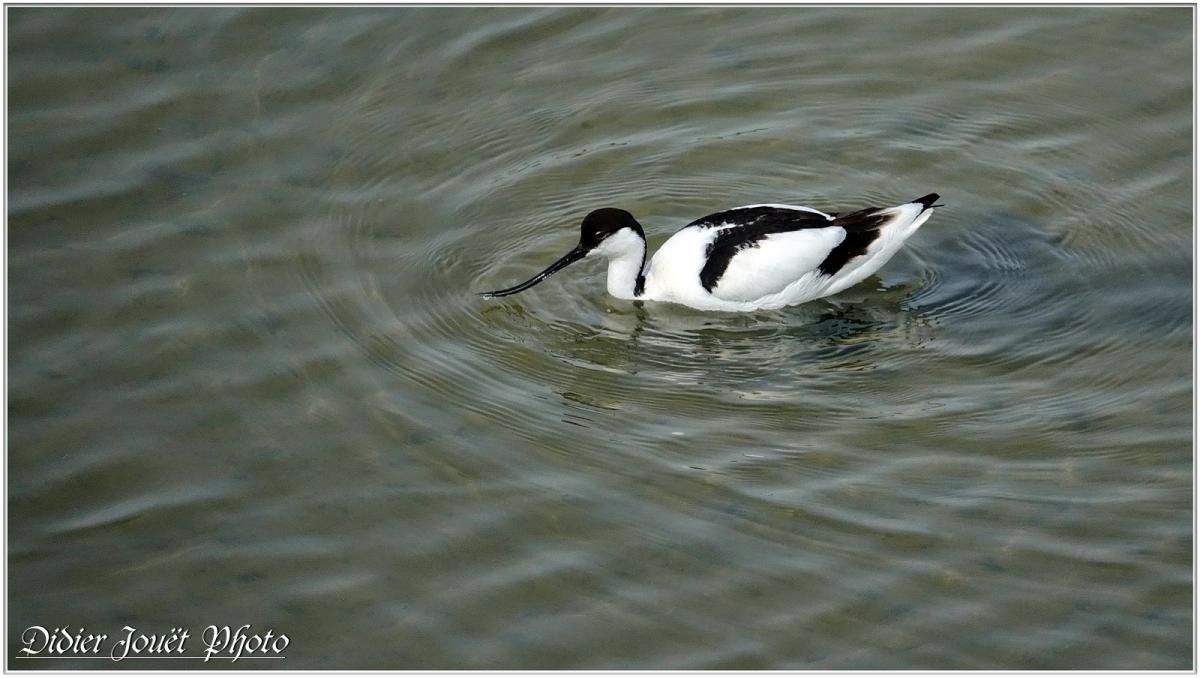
column 777, row 261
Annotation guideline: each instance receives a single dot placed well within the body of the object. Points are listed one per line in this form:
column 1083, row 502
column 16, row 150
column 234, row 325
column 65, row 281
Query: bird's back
column 769, row 256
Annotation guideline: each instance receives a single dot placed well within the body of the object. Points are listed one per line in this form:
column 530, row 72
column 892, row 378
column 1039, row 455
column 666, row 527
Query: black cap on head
column 601, row 223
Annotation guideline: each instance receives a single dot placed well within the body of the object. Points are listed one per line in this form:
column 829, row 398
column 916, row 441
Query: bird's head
column 608, row 231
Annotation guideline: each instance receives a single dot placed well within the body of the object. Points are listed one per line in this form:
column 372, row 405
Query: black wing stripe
column 862, row 229
column 753, row 225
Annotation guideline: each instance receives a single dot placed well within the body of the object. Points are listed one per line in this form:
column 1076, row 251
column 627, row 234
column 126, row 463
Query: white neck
column 626, row 252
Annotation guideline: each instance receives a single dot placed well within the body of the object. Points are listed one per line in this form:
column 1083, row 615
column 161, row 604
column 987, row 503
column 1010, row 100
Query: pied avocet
column 745, row 258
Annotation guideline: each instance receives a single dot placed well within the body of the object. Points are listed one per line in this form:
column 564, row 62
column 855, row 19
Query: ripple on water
column 244, row 309
column 759, row 422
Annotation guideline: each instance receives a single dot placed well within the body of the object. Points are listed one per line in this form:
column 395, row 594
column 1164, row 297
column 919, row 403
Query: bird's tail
column 927, row 201
column 873, row 218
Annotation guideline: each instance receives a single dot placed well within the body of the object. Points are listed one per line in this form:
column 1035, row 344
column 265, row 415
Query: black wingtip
column 928, row 200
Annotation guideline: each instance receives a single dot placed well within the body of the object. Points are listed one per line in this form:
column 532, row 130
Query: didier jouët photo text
column 219, row 642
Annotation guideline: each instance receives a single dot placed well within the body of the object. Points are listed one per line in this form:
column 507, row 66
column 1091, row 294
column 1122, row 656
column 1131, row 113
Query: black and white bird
column 745, row 258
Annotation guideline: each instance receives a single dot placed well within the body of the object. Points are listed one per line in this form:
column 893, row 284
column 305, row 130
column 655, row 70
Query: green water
column 250, row 383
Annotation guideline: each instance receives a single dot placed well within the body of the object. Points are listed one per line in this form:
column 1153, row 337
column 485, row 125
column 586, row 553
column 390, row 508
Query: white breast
column 674, row 272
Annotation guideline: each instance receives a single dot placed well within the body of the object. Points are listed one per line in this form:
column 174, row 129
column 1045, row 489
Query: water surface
column 250, row 382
